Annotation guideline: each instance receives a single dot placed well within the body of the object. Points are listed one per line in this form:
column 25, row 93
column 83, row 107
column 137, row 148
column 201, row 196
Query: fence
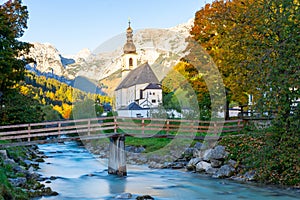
column 110, row 126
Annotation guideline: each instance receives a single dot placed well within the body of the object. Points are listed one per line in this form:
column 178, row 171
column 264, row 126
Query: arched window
column 130, row 62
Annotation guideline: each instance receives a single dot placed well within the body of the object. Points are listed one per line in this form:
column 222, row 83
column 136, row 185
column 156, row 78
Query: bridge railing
column 57, row 128
column 109, row 126
column 163, row 127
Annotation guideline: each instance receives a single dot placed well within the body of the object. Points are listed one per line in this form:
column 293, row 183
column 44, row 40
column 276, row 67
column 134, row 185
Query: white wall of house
column 133, row 113
column 151, row 97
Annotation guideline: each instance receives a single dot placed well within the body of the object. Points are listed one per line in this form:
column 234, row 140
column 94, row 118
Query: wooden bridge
column 115, row 128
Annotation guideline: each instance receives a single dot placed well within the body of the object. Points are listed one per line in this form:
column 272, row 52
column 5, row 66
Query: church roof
column 141, row 75
column 153, row 86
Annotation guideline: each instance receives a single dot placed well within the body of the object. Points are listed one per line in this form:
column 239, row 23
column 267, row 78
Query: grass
column 7, row 191
column 150, row 144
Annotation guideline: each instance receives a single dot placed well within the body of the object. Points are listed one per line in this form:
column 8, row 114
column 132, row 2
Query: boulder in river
column 203, row 166
column 144, row 197
column 124, row 196
column 224, row 172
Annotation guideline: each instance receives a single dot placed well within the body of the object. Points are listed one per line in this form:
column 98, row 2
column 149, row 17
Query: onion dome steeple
column 129, row 47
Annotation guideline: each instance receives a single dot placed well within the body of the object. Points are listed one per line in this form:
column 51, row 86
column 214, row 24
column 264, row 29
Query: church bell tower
column 129, row 58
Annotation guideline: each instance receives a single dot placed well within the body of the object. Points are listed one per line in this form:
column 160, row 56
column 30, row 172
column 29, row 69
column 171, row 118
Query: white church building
column 139, row 90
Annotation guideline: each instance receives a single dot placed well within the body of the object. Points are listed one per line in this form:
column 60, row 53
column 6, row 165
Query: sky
column 71, row 25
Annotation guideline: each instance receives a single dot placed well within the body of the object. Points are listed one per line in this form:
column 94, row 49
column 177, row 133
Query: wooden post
column 115, row 125
column 168, row 126
column 215, row 128
column 143, row 126
column 117, row 157
column 29, row 135
column 59, row 128
column 89, row 127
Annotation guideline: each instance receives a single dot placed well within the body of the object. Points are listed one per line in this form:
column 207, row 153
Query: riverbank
column 238, row 158
column 18, row 166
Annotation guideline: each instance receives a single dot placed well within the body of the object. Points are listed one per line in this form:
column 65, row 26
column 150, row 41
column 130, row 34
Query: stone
column 202, row 166
column 134, row 149
column 40, row 160
column 19, row 169
column 53, row 178
column 18, row 182
column 216, row 163
column 9, row 162
column 250, row 176
column 124, row 196
column 224, row 172
column 3, row 154
column 217, row 153
column 232, row 163
column 198, row 145
column 188, row 152
column 192, row 163
column 206, row 155
column 156, row 165
column 155, row 158
column 211, row 171
column 144, row 197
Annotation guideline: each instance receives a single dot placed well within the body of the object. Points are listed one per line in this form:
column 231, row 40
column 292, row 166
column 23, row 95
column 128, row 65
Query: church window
column 130, row 62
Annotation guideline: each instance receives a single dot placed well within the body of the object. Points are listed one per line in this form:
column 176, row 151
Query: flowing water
column 80, row 176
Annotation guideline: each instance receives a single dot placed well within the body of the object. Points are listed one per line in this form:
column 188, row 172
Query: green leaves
column 13, row 21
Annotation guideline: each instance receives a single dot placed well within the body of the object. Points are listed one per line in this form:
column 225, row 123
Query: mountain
column 161, row 48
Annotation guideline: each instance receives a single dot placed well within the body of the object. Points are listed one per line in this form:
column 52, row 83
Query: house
column 139, row 90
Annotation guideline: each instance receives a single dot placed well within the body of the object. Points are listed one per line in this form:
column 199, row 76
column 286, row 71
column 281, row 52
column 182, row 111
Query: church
column 139, row 90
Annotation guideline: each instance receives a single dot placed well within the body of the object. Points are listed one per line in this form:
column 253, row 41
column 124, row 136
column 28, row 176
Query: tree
column 256, row 47
column 218, row 28
column 13, row 21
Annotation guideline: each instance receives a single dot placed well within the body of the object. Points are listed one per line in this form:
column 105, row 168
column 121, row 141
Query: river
column 80, row 176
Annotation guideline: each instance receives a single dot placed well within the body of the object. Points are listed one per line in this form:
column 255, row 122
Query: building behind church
column 139, row 91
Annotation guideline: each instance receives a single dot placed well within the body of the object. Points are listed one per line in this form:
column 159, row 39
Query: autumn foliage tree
column 255, row 45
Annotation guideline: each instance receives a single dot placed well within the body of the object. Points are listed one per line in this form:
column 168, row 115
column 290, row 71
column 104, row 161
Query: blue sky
column 71, row 25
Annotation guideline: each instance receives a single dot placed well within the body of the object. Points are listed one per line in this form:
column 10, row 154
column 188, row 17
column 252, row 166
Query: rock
column 224, row 172
column 48, row 192
column 124, row 196
column 155, row 158
column 188, row 152
column 144, row 197
column 174, row 165
column 3, row 154
column 206, row 155
column 250, row 176
column 202, row 166
column 39, row 160
column 211, row 171
column 217, row 153
column 18, row 182
column 192, row 163
column 9, row 162
column 134, row 149
column 53, row 178
column 198, row 145
column 33, row 175
column 19, row 169
column 232, row 163
column 156, row 165
column 216, row 163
